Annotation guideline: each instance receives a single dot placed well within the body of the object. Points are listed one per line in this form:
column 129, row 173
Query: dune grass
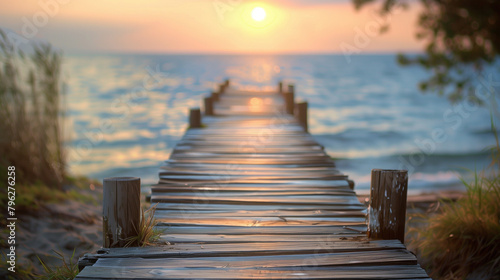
column 31, row 114
column 35, row 195
column 146, row 233
column 463, row 239
column 67, row 270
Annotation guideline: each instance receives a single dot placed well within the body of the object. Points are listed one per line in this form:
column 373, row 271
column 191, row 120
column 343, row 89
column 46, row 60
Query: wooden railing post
column 195, row 118
column 290, row 99
column 301, row 114
column 121, row 213
column 224, row 86
column 387, row 210
column 215, row 96
column 280, row 87
column 209, row 106
column 351, row 184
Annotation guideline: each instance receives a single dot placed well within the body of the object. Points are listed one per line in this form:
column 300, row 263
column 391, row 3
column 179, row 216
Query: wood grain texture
column 387, row 212
column 301, row 114
column 121, row 210
column 252, row 195
column 195, row 118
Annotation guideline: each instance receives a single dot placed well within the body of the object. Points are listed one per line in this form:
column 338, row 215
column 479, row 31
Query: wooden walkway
column 252, row 196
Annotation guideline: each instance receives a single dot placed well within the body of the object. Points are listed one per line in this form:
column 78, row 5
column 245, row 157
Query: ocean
column 126, row 113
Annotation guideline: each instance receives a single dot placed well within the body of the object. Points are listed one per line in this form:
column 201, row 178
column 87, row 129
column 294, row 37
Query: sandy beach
column 61, row 227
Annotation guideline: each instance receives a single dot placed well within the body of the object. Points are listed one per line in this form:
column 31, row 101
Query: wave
column 420, row 183
column 468, row 154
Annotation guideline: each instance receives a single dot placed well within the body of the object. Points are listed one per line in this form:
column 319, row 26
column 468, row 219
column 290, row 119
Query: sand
column 63, row 227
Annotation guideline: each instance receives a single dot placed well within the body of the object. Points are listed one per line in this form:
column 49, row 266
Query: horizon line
column 174, row 53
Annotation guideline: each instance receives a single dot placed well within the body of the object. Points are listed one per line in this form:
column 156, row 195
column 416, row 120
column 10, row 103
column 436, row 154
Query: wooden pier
column 249, row 194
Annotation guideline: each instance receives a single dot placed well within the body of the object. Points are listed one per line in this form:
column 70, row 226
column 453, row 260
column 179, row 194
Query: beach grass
column 37, row 194
column 147, row 234
column 36, row 205
column 463, row 239
column 68, row 269
column 32, row 113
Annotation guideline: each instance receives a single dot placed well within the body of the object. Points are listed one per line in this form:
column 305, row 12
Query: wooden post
column 351, row 184
column 280, row 87
column 290, row 100
column 301, row 114
column 215, row 96
column 387, row 210
column 195, row 118
column 121, row 215
column 224, row 86
column 209, row 106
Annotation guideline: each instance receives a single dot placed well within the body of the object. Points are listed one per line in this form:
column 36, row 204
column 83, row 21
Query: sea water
column 126, row 113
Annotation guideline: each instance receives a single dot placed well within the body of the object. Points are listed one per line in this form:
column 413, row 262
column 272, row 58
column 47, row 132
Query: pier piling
column 121, row 210
column 387, row 211
column 195, row 118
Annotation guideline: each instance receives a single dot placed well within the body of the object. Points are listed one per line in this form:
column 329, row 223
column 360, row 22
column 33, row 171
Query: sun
column 258, row 14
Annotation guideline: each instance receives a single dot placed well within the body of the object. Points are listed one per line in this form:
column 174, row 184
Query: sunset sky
column 209, row 26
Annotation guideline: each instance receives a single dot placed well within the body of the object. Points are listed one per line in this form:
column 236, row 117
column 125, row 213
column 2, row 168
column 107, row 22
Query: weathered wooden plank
column 205, row 167
column 247, row 172
column 293, row 200
column 383, row 257
column 270, row 190
column 272, row 230
column 251, row 249
column 236, row 149
column 165, row 214
column 260, row 221
column 255, row 238
column 215, row 177
column 305, row 183
column 257, row 161
column 339, row 180
column 361, row 272
column 251, row 163
column 200, row 205
column 271, row 195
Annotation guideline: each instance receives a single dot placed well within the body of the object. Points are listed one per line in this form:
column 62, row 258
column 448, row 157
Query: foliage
column 67, row 270
column 462, row 37
column 146, row 233
column 464, row 239
column 31, row 114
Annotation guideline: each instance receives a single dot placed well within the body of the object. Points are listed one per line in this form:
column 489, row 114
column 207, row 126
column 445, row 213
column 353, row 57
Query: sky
column 209, row 26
